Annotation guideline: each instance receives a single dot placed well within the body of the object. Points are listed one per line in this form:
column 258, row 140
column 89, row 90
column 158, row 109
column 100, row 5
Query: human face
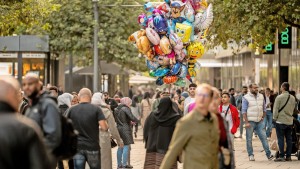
column 75, row 100
column 254, row 89
column 53, row 93
column 225, row 99
column 192, row 91
column 268, row 92
column 203, row 98
column 176, row 97
column 106, row 96
column 232, row 92
column 30, row 87
column 245, row 90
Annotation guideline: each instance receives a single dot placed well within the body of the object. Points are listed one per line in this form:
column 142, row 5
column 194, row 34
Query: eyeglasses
column 203, row 95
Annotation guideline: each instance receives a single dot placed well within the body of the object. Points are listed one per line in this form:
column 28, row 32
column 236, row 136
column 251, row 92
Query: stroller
column 295, row 140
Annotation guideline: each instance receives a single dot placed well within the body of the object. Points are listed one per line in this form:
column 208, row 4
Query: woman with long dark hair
column 158, row 131
column 146, row 105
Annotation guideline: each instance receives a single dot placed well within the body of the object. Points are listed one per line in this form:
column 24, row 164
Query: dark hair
column 54, row 88
column 105, row 93
column 192, row 85
column 268, row 89
column 220, row 90
column 245, row 87
column 293, row 93
column 147, row 97
column 158, row 95
column 178, row 91
column 231, row 89
column 285, row 86
column 225, row 93
column 135, row 100
column 250, row 86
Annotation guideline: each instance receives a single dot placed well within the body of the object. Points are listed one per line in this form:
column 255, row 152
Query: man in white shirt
column 191, row 98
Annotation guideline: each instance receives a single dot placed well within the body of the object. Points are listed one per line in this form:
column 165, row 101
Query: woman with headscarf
column 158, row 131
column 124, row 117
column 64, row 102
column 105, row 136
column 146, row 106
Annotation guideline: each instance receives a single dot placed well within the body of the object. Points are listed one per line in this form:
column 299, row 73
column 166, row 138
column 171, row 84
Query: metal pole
column 96, row 59
column 71, row 72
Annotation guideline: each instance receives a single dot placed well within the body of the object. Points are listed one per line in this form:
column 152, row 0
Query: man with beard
column 43, row 110
column 190, row 99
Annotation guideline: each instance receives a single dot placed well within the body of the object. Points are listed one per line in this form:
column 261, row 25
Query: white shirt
column 187, row 102
column 267, row 102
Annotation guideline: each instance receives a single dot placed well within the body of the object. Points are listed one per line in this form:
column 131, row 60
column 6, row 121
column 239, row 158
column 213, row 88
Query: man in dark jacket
column 21, row 142
column 43, row 110
column 232, row 98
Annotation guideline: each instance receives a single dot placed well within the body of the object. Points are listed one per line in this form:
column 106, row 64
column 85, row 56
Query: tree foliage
column 241, row 20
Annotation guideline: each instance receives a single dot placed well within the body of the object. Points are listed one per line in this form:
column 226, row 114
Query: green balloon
column 151, row 73
column 180, row 82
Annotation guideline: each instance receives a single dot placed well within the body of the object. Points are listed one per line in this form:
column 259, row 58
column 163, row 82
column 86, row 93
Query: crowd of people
column 196, row 126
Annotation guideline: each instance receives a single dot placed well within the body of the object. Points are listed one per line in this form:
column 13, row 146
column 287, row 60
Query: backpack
column 68, row 145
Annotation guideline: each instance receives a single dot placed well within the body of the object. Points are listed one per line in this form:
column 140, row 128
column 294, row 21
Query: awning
column 137, row 79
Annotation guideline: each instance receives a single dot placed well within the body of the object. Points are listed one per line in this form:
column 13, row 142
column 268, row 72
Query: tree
column 256, row 21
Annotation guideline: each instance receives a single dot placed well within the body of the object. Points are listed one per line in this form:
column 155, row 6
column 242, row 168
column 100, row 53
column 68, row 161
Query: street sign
column 8, row 55
column 285, row 38
column 269, row 49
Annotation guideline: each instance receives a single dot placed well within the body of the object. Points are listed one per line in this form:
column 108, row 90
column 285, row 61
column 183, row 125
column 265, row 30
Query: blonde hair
column 206, row 86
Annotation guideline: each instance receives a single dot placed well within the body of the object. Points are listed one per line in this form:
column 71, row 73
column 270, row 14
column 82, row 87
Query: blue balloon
column 152, row 65
column 175, row 69
column 159, row 81
column 149, row 7
column 183, row 71
column 161, row 72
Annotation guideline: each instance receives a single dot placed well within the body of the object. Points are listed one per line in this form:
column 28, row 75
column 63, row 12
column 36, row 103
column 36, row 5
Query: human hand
column 121, row 145
column 247, row 125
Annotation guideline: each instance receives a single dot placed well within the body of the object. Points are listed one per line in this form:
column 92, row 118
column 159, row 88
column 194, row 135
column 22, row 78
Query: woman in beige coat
column 105, row 144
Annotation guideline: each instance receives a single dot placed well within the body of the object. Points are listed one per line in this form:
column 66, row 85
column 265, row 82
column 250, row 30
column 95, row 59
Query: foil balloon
column 157, row 12
column 149, row 7
column 195, row 50
column 160, row 25
column 192, row 33
column 163, row 60
column 152, row 65
column 184, row 32
column 150, row 23
column 158, row 50
column 170, row 79
column 176, row 8
column 183, row 71
column 182, row 55
column 189, row 12
column 204, row 20
column 195, row 4
column 175, row 69
column 159, row 81
column 176, row 43
column 165, row 8
column 172, row 58
column 161, row 72
column 151, row 73
column 165, row 45
column 180, row 82
column 152, row 36
column 168, row 2
column 143, row 20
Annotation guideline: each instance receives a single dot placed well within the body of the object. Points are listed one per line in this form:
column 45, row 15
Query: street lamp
column 96, row 59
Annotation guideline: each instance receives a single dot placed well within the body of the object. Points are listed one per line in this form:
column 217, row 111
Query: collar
column 199, row 117
column 285, row 92
column 4, row 107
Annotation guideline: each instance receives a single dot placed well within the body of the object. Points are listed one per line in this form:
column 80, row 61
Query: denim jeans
column 122, row 155
column 259, row 128
column 91, row 157
column 283, row 130
column 241, row 123
column 268, row 122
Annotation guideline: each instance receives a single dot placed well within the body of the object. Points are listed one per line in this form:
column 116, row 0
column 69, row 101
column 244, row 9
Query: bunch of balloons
column 172, row 38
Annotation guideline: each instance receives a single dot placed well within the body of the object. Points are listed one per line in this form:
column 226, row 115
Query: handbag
column 113, row 143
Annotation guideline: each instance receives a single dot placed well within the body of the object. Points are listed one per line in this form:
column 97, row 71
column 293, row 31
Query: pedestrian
column 146, row 105
column 296, row 109
column 239, row 107
column 110, row 101
column 191, row 98
column 191, row 136
column 158, row 131
column 231, row 115
column 106, row 136
column 226, row 152
column 254, row 111
column 43, row 110
column 53, row 91
column 268, row 120
column 87, row 119
column 21, row 138
column 156, row 101
column 136, row 111
column 283, row 116
column 124, row 117
column 75, row 99
column 232, row 98
column 24, row 104
column 64, row 102
column 179, row 102
column 130, row 92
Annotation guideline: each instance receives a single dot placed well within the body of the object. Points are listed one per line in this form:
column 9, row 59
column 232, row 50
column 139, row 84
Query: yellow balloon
column 195, row 50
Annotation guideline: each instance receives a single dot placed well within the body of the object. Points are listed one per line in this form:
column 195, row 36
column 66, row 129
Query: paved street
column 242, row 162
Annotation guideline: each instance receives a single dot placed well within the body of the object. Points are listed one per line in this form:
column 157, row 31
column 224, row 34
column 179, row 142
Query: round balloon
column 175, row 69
column 170, row 79
column 165, row 45
column 152, row 36
column 183, row 71
column 151, row 73
column 180, row 82
column 161, row 72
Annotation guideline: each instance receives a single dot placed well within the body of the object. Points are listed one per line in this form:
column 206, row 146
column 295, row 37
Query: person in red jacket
column 230, row 114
